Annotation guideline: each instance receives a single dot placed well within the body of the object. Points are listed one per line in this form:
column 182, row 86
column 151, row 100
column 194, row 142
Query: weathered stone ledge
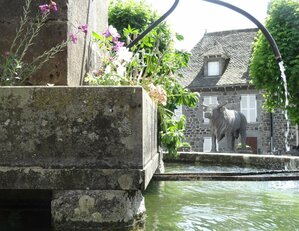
column 94, row 148
column 68, row 179
column 81, row 127
column 260, row 161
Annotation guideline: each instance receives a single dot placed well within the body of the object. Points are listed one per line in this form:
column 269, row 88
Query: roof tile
column 235, row 45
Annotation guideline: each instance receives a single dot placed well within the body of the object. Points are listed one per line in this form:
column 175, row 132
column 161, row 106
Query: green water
column 213, row 205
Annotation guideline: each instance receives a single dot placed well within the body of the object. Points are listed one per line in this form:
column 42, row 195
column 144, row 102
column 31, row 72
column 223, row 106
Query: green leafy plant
column 154, row 69
column 283, row 24
column 136, row 14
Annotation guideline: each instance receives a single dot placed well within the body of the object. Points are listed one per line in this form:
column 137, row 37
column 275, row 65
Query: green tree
column 138, row 15
column 283, row 23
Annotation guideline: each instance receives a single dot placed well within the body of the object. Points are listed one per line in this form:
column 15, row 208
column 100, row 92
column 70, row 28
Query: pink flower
column 115, row 39
column 73, row 38
column 44, row 8
column 118, row 45
column 83, row 28
column 111, row 31
column 53, row 5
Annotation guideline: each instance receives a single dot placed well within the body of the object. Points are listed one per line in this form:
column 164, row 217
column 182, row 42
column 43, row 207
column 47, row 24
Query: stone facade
column 196, row 129
column 233, row 50
column 114, row 210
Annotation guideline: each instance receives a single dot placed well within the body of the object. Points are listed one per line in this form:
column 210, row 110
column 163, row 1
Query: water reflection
column 212, row 205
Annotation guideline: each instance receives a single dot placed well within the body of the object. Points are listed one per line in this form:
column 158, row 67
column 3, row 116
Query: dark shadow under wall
column 25, row 210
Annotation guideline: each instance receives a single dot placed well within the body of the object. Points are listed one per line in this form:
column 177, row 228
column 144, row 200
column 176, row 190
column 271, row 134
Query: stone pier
column 68, row 67
column 94, row 148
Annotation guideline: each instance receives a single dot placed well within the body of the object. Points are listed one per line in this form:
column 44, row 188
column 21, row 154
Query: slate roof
column 216, row 50
column 233, row 45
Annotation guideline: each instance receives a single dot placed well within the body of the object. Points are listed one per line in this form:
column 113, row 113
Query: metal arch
column 225, row 4
column 154, row 24
column 256, row 22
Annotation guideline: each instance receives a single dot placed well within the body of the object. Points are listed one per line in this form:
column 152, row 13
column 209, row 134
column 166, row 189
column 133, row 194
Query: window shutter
column 248, row 107
column 207, row 144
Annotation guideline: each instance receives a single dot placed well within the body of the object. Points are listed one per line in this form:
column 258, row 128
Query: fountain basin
column 239, row 159
column 220, row 205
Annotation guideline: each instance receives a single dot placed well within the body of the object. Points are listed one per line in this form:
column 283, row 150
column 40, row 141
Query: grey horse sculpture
column 226, row 123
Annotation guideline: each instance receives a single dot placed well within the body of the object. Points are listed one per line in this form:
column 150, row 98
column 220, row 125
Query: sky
column 192, row 18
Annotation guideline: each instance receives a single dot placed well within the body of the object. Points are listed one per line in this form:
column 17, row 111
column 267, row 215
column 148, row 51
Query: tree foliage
column 138, row 15
column 283, row 23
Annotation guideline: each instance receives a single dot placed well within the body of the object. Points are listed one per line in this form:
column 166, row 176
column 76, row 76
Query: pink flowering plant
column 115, row 60
column 146, row 65
column 120, row 66
column 14, row 70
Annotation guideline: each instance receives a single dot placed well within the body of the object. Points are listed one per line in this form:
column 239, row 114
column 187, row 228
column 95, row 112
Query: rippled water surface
column 226, row 205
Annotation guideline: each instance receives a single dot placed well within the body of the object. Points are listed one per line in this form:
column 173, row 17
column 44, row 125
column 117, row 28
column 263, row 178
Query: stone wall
column 196, row 129
column 94, row 147
column 279, row 133
column 262, row 162
column 69, row 66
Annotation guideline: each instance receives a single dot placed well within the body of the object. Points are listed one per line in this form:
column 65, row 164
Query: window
column 248, row 107
column 213, row 68
column 178, row 113
column 207, row 144
column 209, row 100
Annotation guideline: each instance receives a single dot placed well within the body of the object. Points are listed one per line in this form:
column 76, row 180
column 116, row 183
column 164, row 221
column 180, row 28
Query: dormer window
column 215, row 61
column 213, row 68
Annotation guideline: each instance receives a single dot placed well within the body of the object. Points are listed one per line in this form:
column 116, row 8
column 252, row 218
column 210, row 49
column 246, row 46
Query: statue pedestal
column 246, row 150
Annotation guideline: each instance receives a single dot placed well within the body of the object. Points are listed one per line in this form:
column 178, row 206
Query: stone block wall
column 279, row 133
column 72, row 127
column 95, row 148
column 196, row 129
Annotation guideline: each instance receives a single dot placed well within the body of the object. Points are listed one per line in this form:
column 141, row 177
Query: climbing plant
column 283, row 24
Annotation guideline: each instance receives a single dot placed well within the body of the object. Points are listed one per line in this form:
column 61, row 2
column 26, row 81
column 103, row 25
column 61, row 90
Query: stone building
column 219, row 71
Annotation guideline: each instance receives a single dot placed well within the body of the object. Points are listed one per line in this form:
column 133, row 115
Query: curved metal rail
column 154, row 24
column 225, row 4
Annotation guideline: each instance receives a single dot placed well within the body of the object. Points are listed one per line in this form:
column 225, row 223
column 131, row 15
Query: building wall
column 196, row 129
column 279, row 133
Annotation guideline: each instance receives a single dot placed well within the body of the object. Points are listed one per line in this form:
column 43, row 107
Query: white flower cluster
column 115, row 58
